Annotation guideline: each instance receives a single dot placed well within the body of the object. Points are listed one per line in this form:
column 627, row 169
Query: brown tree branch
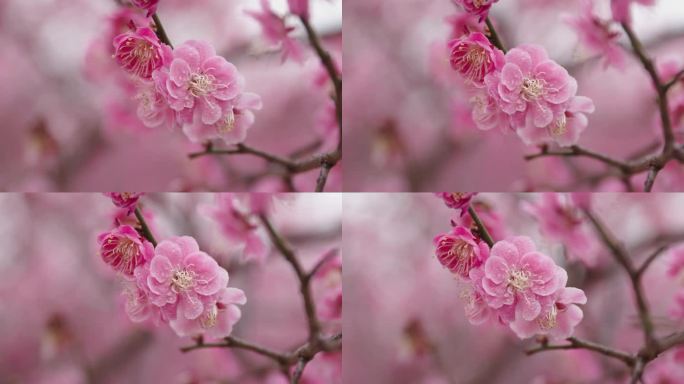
column 575, row 343
column 484, row 234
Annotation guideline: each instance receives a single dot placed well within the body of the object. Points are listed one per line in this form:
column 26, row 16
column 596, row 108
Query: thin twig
column 160, row 31
column 144, row 229
column 641, row 270
column 494, row 36
column 484, row 234
column 575, row 343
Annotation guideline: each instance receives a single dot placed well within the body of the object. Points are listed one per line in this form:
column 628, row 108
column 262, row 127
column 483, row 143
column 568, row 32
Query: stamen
column 518, row 279
column 560, row 126
column 548, row 320
column 208, row 320
column 182, row 280
column 201, row 84
column 228, row 123
column 533, row 88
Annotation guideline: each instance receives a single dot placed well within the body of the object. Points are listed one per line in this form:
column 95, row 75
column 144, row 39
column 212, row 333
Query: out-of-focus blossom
column 457, row 200
column 474, row 57
column 463, row 24
column 560, row 219
column 149, row 5
column 277, row 32
column 597, row 35
column 479, row 8
column 328, row 281
column 299, row 7
column 139, row 52
column 566, row 129
column 124, row 250
column 558, row 318
column 459, row 251
column 233, row 127
column 126, row 200
column 153, row 108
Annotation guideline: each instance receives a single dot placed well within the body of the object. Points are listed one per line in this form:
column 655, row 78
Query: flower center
column 479, row 3
column 518, row 279
column 208, row 320
column 182, row 280
column 549, row 319
column 228, row 123
column 560, row 126
column 532, row 88
column 461, row 250
column 126, row 248
column 143, row 50
column 201, row 84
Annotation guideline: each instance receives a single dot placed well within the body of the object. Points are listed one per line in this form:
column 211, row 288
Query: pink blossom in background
column 277, row 32
column 124, row 250
column 139, row 52
column 232, row 128
column 181, row 275
column 474, row 57
column 598, row 36
column 127, row 200
column 149, row 5
column 457, row 200
column 479, row 8
column 153, row 109
column 459, row 251
column 329, row 284
column 566, row 129
column 562, row 220
column 463, row 24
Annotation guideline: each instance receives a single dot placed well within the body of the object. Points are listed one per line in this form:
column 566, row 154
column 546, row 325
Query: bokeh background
column 62, row 319
column 407, row 122
column 403, row 317
column 66, row 127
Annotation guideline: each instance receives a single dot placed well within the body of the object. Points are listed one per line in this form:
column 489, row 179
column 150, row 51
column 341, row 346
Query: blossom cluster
column 522, row 90
column 173, row 282
column 189, row 86
column 512, row 283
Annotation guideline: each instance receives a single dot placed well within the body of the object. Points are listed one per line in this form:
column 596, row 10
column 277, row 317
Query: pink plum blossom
column 463, row 24
column 530, row 87
column 127, row 200
column 149, row 5
column 475, row 307
column 459, row 251
column 560, row 219
column 558, row 318
column 597, row 36
column 277, row 32
column 233, row 127
column 182, row 275
column 139, row 52
column 490, row 217
column 198, row 84
column 123, row 249
column 218, row 318
column 233, row 215
column 153, row 108
column 487, row 114
column 565, row 130
column 479, row 8
column 328, row 281
column 516, row 274
column 474, row 57
column 457, row 200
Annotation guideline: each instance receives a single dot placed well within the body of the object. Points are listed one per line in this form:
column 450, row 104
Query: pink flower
column 139, row 52
column 149, row 5
column 127, row 200
column 558, row 318
column 328, row 281
column 299, row 7
column 620, row 8
column 232, row 213
column 218, row 318
column 491, row 219
column 182, row 275
column 474, row 57
column 463, row 24
column 487, row 114
column 233, row 127
column 476, row 7
column 277, row 32
column 565, row 130
column 676, row 254
column 597, row 35
column 560, row 219
column 531, row 86
column 199, row 84
column 123, row 249
column 153, row 108
column 459, row 251
column 457, row 200
column 515, row 274
column 476, row 309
